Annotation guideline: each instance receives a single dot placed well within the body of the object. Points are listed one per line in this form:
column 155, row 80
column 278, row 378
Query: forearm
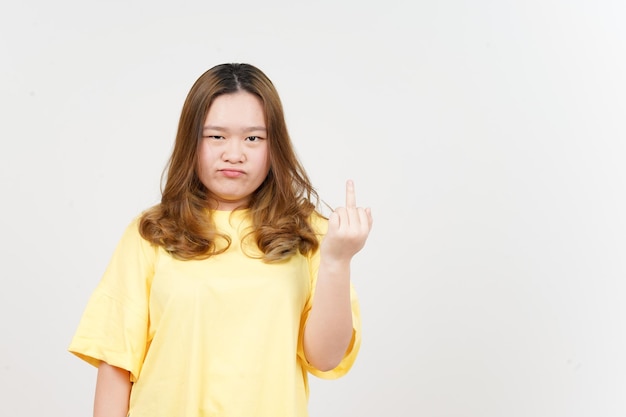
column 328, row 329
column 112, row 392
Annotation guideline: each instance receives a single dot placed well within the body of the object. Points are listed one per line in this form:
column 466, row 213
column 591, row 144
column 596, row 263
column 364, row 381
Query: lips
column 231, row 173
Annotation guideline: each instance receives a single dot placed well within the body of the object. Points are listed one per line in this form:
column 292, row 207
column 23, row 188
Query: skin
column 233, row 162
column 112, row 391
column 329, row 327
column 233, row 156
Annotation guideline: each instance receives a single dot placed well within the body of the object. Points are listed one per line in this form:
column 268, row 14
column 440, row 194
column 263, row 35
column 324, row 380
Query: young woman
column 222, row 298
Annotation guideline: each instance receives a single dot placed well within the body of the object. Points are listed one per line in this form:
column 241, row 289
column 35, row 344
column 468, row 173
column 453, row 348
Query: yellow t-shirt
column 215, row 337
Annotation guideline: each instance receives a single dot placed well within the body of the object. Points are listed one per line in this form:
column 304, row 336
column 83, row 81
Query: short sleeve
column 115, row 323
column 355, row 343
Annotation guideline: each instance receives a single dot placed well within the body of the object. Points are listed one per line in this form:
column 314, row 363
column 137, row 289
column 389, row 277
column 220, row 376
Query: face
column 233, row 157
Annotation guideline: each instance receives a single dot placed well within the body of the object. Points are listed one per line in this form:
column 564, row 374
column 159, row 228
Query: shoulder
column 132, row 229
column 132, row 239
column 319, row 223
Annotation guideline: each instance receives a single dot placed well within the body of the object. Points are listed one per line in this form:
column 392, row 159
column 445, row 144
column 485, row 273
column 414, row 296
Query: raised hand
column 330, row 326
column 348, row 229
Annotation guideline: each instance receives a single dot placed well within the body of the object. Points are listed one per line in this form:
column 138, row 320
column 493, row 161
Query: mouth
column 231, row 173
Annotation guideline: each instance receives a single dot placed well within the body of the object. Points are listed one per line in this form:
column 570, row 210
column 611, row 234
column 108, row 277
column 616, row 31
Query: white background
column 487, row 136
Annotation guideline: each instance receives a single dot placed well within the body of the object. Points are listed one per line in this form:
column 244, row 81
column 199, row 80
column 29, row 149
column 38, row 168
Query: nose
column 234, row 151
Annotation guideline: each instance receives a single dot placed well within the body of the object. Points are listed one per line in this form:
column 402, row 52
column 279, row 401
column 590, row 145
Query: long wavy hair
column 280, row 209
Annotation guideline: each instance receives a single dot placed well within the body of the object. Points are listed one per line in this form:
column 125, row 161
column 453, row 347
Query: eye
column 216, row 137
column 254, row 138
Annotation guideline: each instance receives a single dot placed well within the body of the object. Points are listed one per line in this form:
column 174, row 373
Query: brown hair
column 280, row 208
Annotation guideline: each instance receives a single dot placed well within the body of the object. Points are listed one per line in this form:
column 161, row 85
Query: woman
column 219, row 300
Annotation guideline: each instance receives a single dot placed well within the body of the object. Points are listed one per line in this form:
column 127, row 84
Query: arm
column 328, row 330
column 112, row 391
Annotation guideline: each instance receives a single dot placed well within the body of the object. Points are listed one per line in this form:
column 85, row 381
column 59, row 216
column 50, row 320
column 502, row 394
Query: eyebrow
column 247, row 129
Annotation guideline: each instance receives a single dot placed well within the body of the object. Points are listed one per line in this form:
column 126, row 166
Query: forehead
column 240, row 108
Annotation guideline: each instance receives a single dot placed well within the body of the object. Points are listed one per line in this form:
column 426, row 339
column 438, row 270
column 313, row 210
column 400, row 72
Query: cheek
column 204, row 157
column 264, row 163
